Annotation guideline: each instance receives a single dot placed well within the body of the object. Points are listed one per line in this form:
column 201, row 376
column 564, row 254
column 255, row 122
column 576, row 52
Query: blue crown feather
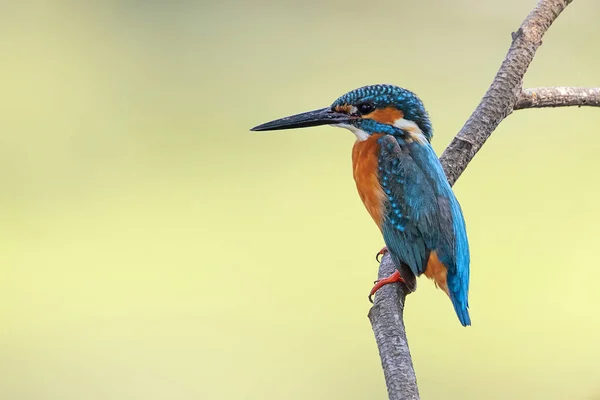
column 389, row 95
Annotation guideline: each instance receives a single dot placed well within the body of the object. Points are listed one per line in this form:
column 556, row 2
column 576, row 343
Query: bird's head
column 365, row 111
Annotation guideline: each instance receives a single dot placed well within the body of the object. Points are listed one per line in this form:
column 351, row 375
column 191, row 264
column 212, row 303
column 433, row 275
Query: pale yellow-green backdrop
column 153, row 248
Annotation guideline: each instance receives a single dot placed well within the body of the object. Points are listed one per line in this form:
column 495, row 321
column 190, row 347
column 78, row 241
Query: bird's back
column 452, row 249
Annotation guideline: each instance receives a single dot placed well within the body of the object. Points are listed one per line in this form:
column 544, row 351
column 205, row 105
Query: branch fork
column 504, row 96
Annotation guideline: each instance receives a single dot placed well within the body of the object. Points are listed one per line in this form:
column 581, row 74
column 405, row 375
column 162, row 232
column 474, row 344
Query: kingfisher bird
column 402, row 185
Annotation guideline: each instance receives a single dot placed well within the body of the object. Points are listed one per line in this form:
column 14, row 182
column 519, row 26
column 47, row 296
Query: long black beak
column 324, row 116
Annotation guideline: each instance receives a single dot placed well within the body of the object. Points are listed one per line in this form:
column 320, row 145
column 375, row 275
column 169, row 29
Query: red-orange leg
column 395, row 277
column 381, row 253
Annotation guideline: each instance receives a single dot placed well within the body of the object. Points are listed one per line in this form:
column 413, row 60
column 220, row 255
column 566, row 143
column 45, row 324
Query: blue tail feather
column 459, row 300
column 462, row 311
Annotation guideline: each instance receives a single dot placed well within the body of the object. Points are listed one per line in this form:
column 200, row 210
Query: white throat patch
column 359, row 133
column 406, row 125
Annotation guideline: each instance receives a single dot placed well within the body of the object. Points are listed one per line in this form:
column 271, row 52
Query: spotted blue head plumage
column 382, row 96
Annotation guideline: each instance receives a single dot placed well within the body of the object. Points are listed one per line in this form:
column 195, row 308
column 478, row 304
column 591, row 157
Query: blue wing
column 423, row 215
column 410, row 226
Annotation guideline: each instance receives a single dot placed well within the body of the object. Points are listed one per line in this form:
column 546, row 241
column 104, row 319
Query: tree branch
column 501, row 97
column 559, row 96
column 504, row 95
column 387, row 320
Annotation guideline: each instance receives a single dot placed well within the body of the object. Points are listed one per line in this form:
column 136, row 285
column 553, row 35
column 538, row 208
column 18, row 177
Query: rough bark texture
column 500, row 99
column 559, row 96
column 386, row 317
column 504, row 95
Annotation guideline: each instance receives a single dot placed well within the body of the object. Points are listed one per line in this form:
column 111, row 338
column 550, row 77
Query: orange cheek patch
column 387, row 115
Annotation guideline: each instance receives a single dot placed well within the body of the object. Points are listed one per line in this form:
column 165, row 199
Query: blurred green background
column 154, row 248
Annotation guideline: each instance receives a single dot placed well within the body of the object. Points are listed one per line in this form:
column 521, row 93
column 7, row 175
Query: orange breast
column 365, row 160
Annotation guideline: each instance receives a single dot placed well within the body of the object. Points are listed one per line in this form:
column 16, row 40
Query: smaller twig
column 559, row 96
column 387, row 320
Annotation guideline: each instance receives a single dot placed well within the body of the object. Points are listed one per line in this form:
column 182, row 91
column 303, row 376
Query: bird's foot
column 381, row 253
column 395, row 277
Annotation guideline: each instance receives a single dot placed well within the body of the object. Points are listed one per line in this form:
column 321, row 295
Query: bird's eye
column 365, row 108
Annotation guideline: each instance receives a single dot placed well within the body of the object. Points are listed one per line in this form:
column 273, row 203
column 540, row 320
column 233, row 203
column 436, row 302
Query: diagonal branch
column 558, row 96
column 501, row 97
column 504, row 95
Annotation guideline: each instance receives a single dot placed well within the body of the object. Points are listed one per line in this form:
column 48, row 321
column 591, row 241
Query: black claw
column 371, row 298
column 377, row 257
